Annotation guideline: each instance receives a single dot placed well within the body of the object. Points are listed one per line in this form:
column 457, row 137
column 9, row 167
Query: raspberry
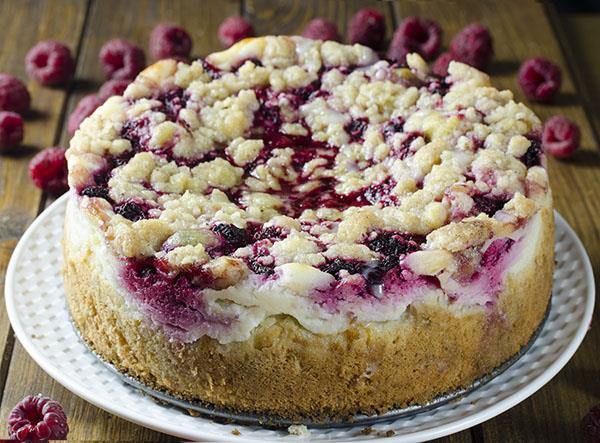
column 121, row 59
column 392, row 127
column 560, row 137
column 11, row 130
column 258, row 268
column 13, row 94
column 232, row 235
column 48, row 170
column 532, row 156
column 367, row 27
column 540, row 79
column 131, row 211
column 415, row 34
column 440, row 66
column 167, row 41
column 50, row 63
column 233, row 29
column 473, row 46
column 391, row 244
column 487, row 204
column 336, row 265
column 37, row 418
column 86, row 106
column 321, row 29
column 590, row 425
column 96, row 191
column 356, row 128
column 112, row 87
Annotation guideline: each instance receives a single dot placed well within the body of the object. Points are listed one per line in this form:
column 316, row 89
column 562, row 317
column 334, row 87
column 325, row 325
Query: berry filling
column 132, row 211
column 172, row 299
column 356, row 129
column 533, row 155
column 173, row 101
column 477, row 281
column 488, row 204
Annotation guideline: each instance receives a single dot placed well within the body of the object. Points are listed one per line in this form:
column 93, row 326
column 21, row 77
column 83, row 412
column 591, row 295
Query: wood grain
column 521, row 29
column 19, row 199
column 577, row 34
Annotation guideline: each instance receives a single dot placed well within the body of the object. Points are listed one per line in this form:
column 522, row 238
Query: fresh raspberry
column 11, row 130
column 37, row 418
column 415, row 34
column 560, row 137
column 321, row 29
column 86, row 106
column 540, row 79
column 440, row 66
column 14, row 96
column 168, row 41
column 48, row 170
column 50, row 63
column 112, row 87
column 367, row 27
column 590, row 425
column 121, row 59
column 233, row 29
column 473, row 46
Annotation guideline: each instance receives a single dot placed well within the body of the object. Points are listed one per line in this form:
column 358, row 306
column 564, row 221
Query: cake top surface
column 283, row 153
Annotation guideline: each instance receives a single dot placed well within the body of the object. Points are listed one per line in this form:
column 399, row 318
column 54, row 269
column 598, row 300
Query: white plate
column 37, row 310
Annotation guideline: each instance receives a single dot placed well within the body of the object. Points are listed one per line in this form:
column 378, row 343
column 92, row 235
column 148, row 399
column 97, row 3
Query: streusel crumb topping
column 283, row 150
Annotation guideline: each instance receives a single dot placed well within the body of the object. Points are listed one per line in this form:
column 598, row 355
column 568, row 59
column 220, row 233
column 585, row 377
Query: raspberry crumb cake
column 299, row 229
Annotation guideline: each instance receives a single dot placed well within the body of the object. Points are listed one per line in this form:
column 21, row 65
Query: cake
column 298, row 229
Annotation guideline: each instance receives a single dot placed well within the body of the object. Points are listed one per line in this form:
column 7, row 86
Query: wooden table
column 521, row 29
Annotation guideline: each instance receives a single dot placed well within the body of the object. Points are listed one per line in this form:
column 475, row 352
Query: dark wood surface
column 521, row 29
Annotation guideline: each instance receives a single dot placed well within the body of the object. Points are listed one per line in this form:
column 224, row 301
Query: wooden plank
column 291, row 16
column 577, row 34
column 554, row 413
column 106, row 19
column 19, row 199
